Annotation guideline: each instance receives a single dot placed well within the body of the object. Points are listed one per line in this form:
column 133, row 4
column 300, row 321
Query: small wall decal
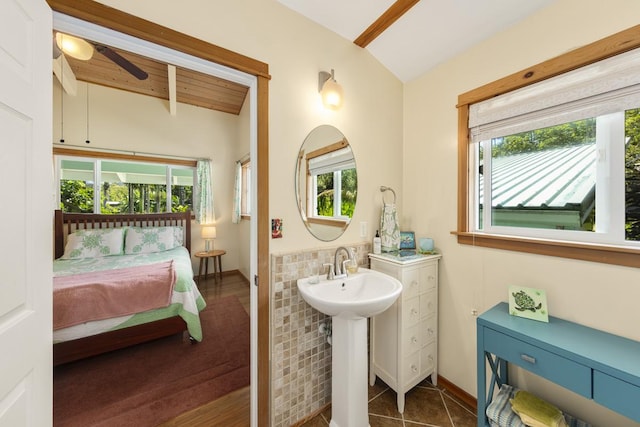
column 276, row 228
column 528, row 302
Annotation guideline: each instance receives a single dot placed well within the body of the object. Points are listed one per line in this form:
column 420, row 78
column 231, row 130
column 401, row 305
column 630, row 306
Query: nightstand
column 204, row 262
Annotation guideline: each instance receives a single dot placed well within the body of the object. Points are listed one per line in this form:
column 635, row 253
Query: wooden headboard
column 66, row 223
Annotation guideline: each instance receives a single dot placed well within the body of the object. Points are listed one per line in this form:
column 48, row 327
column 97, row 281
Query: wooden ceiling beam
column 391, row 15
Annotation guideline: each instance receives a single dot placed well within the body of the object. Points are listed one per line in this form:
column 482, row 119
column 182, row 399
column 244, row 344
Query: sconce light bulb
column 330, row 91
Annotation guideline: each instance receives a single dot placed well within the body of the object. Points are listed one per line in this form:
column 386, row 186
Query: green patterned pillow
column 153, row 239
column 94, row 243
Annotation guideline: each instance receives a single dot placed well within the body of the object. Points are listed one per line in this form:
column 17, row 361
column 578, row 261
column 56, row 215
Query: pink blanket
column 99, row 295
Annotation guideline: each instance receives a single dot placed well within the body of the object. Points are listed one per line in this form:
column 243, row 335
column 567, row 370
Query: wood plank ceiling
column 192, row 87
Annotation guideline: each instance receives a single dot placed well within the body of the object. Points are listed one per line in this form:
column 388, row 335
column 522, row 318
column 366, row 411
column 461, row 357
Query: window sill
column 332, row 222
column 629, row 257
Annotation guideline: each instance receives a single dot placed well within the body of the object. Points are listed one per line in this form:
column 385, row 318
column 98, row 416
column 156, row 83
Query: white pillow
column 94, row 243
column 152, row 239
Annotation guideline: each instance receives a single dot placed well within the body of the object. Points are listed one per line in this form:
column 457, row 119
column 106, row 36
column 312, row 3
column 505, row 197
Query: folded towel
column 389, row 229
column 536, row 412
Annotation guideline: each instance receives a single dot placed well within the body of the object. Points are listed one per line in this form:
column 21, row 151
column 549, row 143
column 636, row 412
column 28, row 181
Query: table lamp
column 208, row 233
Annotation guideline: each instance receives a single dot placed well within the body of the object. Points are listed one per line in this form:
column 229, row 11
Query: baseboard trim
column 310, row 416
column 458, row 393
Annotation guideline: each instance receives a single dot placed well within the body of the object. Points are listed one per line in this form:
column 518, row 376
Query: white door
column 26, row 185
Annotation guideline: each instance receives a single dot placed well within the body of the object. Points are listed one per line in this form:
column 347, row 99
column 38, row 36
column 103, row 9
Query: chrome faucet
column 340, row 270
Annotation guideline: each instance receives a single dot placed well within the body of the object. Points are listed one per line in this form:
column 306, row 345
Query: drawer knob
column 414, row 368
column 414, row 283
column 414, row 340
column 528, row 358
column 414, row 312
column 430, row 331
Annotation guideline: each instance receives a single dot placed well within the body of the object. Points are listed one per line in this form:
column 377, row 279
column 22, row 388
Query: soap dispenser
column 377, row 243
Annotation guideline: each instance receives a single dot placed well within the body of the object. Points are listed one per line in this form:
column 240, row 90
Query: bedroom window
column 109, row 186
column 553, row 167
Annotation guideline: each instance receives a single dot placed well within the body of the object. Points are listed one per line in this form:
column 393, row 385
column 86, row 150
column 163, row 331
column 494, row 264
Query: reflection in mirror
column 326, row 183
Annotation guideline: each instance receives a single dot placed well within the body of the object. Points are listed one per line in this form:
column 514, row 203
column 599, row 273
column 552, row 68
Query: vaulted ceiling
column 410, row 37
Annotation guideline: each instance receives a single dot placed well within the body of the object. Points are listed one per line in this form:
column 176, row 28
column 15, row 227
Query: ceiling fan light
column 74, row 46
column 330, row 91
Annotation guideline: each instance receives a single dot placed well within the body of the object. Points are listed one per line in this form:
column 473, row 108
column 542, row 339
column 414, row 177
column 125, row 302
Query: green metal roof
column 553, row 187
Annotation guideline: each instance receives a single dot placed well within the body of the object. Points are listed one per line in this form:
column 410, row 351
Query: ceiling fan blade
column 121, row 61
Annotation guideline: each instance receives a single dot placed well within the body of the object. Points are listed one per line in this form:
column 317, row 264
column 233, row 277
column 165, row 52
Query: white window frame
column 610, row 191
column 97, row 179
column 615, row 44
column 337, row 197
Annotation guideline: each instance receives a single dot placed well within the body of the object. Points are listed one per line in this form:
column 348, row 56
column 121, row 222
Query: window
column 108, row 186
column 332, row 183
column 245, row 198
column 554, row 167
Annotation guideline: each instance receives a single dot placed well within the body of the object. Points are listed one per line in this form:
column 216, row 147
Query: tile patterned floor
column 425, row 405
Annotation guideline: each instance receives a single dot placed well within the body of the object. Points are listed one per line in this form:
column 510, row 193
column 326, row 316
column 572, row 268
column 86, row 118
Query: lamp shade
column 208, row 232
column 74, row 46
column 332, row 94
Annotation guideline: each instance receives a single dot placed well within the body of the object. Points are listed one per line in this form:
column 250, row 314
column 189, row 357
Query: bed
column 146, row 249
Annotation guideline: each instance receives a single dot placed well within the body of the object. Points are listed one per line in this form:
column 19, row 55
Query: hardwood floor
column 232, row 410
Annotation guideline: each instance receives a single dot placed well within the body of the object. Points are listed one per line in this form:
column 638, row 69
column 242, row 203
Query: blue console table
column 592, row 363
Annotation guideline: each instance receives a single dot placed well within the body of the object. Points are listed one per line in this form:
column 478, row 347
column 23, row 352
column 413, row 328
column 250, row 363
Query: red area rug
column 151, row 383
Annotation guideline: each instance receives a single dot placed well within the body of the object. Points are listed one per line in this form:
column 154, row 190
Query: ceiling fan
column 83, row 50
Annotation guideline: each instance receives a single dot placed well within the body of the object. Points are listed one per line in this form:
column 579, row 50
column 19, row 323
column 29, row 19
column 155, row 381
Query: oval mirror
column 326, row 183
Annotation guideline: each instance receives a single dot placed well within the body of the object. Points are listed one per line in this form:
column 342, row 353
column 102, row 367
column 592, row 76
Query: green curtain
column 237, row 195
column 204, row 197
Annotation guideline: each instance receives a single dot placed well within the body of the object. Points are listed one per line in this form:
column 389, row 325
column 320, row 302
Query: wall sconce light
column 208, row 233
column 330, row 90
column 74, row 46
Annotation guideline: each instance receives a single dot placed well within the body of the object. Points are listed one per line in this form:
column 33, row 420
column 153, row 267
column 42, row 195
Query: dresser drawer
column 428, row 330
column 410, row 284
column 428, row 360
column 411, row 340
column 428, row 277
column 411, row 367
column 560, row 370
column 621, row 396
column 428, row 304
column 411, row 311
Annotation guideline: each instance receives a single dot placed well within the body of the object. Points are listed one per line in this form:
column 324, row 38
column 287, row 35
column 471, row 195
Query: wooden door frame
column 105, row 16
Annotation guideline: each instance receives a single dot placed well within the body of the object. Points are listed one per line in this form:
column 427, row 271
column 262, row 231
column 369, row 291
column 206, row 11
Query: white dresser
column 404, row 339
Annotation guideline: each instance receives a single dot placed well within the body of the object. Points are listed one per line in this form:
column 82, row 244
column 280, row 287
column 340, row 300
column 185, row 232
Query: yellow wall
column 597, row 295
column 405, row 137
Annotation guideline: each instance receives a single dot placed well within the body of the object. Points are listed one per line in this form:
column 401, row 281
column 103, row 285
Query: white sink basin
column 363, row 294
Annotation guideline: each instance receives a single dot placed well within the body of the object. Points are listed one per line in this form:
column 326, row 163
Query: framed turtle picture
column 529, row 303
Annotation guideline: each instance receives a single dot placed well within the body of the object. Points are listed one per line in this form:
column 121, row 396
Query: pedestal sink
column 350, row 300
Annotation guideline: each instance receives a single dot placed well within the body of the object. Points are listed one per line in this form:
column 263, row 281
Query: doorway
column 118, row 29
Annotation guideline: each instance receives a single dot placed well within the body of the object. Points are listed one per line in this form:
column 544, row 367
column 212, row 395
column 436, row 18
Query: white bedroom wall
column 598, row 295
column 120, row 120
